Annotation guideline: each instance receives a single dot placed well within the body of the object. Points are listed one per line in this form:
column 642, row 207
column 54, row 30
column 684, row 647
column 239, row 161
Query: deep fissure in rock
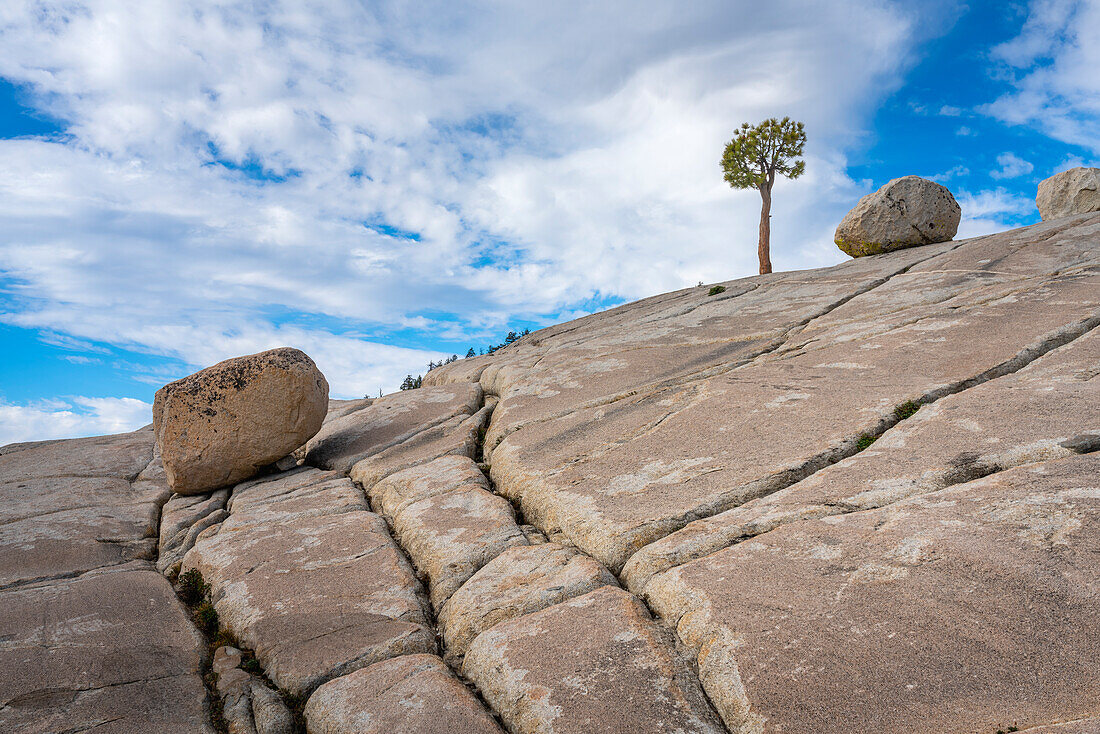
column 194, row 593
column 668, row 632
column 429, row 610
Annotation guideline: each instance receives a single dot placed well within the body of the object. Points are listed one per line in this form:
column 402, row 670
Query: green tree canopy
column 758, row 152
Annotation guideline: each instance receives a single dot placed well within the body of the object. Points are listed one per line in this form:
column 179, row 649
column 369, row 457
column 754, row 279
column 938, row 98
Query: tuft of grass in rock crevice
column 191, row 588
column 906, row 410
column 715, row 290
column 194, row 592
column 901, row 411
column 865, row 441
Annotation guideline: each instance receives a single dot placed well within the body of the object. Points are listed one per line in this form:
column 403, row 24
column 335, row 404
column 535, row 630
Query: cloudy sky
column 385, row 183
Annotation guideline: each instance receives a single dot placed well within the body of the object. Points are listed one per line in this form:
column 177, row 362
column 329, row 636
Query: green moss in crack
column 864, row 441
column 716, row 290
column 193, row 591
column 906, row 410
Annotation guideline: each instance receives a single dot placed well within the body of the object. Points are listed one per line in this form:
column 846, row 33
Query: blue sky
column 382, row 184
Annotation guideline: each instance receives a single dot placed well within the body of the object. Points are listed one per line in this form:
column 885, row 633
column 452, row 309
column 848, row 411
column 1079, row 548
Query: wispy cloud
column 68, row 342
column 955, row 172
column 1053, row 65
column 993, row 210
column 1011, row 166
column 996, row 201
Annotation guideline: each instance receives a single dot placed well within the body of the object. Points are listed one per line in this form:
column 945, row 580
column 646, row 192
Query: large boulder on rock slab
column 219, row 425
column 1076, row 191
column 906, row 212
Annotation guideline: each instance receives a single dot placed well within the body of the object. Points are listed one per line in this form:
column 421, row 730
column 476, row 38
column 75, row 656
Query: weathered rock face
column 248, row 706
column 67, row 507
column 1047, row 410
column 91, row 637
column 310, row 580
column 110, row 646
column 219, row 425
column 613, row 648
column 1080, row 726
column 182, row 519
column 412, row 694
column 448, row 520
column 679, row 437
column 1076, row 191
column 395, row 423
column 519, row 581
column 856, row 499
column 960, row 596
column 906, row 212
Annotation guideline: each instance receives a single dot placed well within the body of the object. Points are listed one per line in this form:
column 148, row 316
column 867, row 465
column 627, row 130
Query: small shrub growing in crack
column 192, row 589
column 716, row 290
column 195, row 592
column 906, row 410
column 224, row 638
column 864, row 441
column 206, row 618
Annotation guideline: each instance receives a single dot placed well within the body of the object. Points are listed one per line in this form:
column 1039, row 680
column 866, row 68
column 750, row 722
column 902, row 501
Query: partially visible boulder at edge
column 906, row 212
column 1076, row 191
column 221, row 424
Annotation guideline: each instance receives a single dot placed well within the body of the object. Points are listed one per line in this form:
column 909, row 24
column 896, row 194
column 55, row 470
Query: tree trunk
column 764, row 249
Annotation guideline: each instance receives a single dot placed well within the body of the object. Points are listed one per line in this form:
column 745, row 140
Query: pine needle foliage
column 759, row 153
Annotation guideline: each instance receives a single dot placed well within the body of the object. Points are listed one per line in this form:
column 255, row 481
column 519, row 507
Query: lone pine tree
column 752, row 160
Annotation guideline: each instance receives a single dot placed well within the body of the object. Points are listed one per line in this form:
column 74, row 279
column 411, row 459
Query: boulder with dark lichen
column 222, row 424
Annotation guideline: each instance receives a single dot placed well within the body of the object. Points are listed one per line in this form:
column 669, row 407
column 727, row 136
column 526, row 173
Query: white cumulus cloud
column 71, row 417
column 991, row 210
column 1054, row 64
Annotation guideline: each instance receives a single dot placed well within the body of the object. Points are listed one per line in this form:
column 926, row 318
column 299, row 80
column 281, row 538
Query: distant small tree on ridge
column 752, row 160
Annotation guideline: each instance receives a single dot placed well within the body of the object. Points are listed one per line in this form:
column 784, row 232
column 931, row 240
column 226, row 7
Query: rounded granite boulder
column 221, row 424
column 906, row 212
column 1076, row 191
